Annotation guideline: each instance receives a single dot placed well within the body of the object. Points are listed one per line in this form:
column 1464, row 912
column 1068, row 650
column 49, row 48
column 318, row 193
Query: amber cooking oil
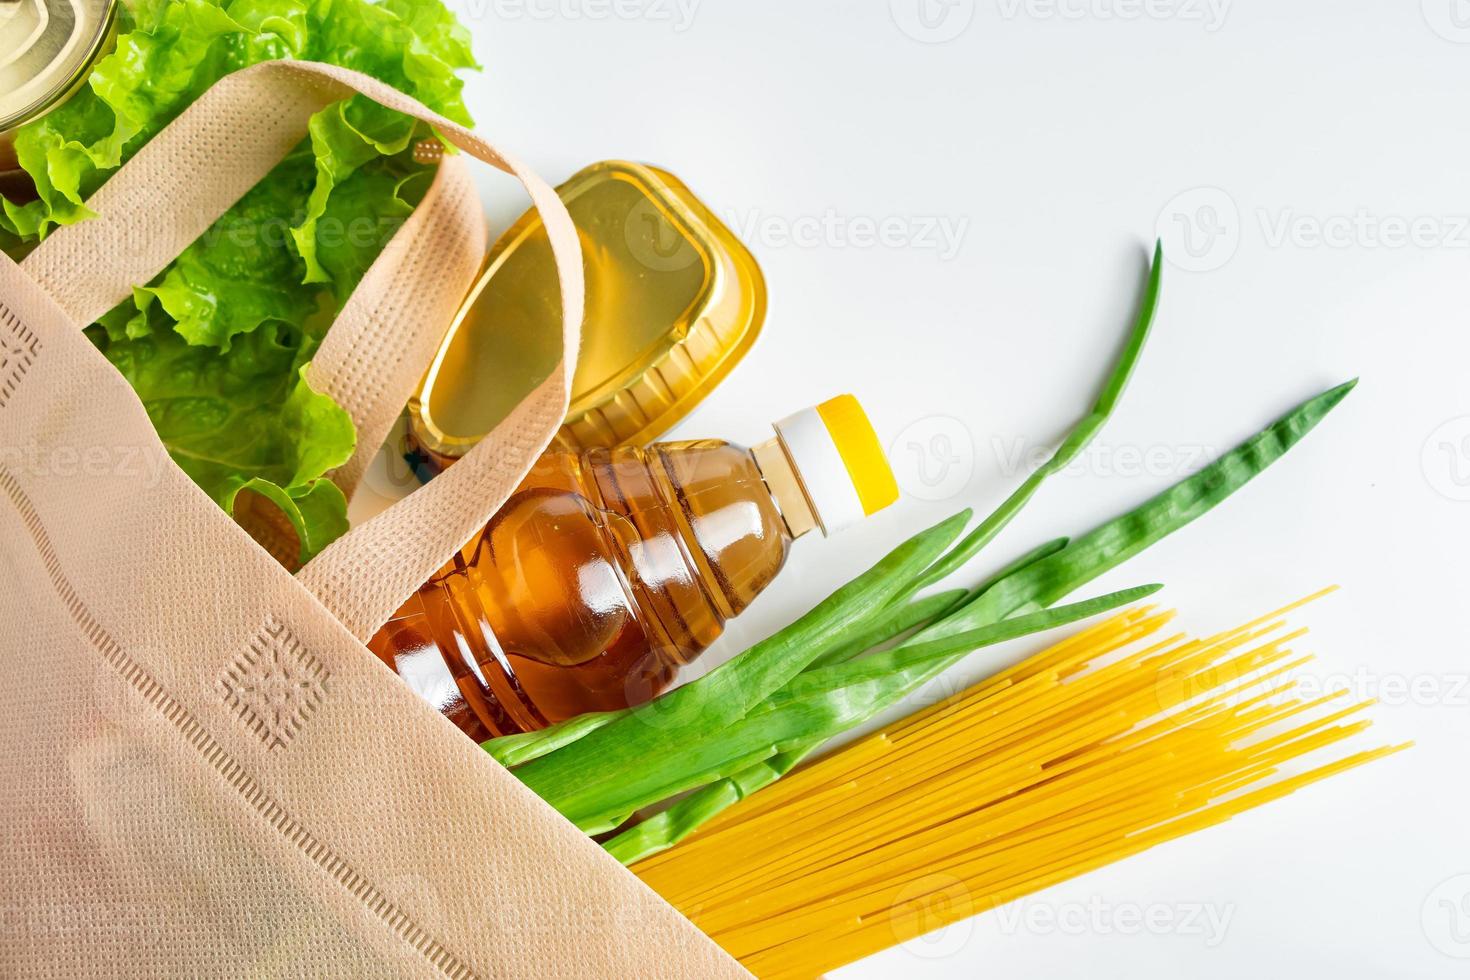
column 608, row 570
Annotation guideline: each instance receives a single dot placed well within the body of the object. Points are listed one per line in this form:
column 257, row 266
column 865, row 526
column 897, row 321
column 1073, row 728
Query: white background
column 1306, row 162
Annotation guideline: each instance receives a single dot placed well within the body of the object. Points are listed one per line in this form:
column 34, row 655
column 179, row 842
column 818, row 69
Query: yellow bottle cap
column 839, row 461
column 861, row 452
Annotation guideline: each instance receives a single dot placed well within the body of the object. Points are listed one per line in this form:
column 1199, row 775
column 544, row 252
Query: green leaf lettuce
column 217, row 344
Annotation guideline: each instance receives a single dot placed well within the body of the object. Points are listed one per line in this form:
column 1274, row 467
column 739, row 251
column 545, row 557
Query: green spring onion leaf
column 1076, row 440
column 755, row 718
column 895, row 622
column 820, row 704
column 1044, row 582
column 603, row 758
column 514, row 750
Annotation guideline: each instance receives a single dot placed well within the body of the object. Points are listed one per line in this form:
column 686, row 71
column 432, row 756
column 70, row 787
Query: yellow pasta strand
column 1109, row 743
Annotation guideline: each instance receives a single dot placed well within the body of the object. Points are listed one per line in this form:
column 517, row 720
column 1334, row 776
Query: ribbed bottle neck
column 785, row 485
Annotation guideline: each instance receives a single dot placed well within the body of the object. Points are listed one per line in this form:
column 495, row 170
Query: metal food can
column 47, row 49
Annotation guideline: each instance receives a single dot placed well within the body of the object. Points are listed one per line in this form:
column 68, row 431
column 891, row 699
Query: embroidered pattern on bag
column 394, row 917
column 19, row 348
column 275, row 685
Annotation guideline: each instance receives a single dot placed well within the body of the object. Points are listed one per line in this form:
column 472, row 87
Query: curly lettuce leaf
column 170, row 51
column 245, row 418
column 216, row 345
column 240, row 273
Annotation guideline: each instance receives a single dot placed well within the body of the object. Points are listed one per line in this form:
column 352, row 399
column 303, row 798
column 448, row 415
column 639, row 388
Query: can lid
column 46, row 49
column 840, row 462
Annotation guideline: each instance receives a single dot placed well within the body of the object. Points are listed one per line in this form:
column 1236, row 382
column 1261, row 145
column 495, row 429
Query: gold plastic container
column 47, row 48
column 674, row 301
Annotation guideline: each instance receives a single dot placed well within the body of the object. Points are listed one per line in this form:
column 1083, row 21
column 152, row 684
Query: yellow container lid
column 674, row 301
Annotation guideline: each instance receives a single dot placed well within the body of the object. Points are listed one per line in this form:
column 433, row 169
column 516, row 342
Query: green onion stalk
column 867, row 646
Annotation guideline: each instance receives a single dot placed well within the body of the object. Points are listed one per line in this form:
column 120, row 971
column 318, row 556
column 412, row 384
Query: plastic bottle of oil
column 607, row 571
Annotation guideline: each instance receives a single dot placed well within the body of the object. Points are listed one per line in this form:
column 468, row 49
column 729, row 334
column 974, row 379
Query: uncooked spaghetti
column 1098, row 748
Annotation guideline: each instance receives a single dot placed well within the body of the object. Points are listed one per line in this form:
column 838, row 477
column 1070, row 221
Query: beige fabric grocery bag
column 203, row 771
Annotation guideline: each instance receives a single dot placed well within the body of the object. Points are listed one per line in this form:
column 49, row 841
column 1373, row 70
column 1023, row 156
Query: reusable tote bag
column 203, row 771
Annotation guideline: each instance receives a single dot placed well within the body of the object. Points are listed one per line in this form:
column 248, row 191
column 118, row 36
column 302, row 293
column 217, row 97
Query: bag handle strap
column 374, row 356
column 174, row 188
column 177, row 185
